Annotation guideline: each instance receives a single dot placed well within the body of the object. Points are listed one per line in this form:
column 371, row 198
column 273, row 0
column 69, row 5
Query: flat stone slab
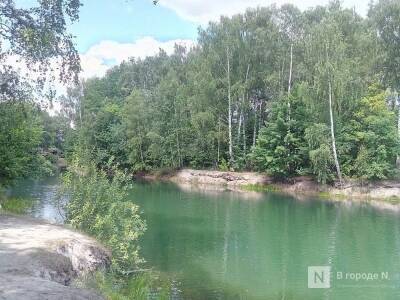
column 40, row 260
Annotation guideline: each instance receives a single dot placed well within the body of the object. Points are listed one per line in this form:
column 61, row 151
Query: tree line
column 32, row 38
column 31, row 141
column 272, row 89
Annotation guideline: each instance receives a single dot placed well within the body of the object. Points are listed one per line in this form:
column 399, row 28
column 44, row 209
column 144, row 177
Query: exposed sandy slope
column 231, row 180
column 39, row 260
column 303, row 185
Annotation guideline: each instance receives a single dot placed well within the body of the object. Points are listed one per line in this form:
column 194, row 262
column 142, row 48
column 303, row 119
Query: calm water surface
column 225, row 245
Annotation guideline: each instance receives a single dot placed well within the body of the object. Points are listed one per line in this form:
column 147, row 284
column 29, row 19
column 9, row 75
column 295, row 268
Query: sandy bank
column 239, row 181
column 39, row 260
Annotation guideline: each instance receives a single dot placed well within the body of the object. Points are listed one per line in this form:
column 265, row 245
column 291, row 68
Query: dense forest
column 273, row 89
column 31, row 141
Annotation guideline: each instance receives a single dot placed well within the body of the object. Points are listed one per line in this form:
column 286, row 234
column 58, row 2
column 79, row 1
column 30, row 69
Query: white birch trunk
column 244, row 136
column 339, row 173
column 242, row 116
column 398, row 127
column 255, row 125
column 290, row 79
column 239, row 127
column 229, row 107
column 218, row 142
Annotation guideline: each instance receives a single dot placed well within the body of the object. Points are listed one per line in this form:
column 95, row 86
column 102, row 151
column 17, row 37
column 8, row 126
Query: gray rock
column 33, row 288
column 41, row 260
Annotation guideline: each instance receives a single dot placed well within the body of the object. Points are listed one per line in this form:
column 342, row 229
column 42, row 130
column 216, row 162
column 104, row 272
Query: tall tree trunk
column 218, row 140
column 239, row 127
column 290, row 69
column 261, row 118
column 141, row 151
column 255, row 125
column 339, row 173
column 242, row 115
column 290, row 80
column 282, row 79
column 398, row 127
column 178, row 147
column 179, row 150
column 229, row 107
column 244, row 137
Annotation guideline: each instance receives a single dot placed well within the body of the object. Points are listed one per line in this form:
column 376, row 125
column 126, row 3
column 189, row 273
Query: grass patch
column 144, row 285
column 261, row 188
column 393, row 200
column 329, row 196
column 16, row 205
column 324, row 195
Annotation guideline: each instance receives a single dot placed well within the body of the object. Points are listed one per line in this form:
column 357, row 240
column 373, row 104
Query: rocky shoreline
column 251, row 181
column 40, row 260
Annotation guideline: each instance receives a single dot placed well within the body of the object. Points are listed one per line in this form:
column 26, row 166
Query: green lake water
column 227, row 245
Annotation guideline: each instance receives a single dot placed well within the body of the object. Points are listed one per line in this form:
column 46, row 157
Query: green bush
column 99, row 206
column 223, row 165
column 280, row 147
column 320, row 152
column 16, row 205
column 370, row 140
column 143, row 285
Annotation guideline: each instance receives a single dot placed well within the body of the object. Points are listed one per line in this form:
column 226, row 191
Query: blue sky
column 125, row 21
column 110, row 31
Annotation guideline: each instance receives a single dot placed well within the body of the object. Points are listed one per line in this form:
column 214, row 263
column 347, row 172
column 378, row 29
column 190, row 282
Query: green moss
column 260, row 188
column 16, row 205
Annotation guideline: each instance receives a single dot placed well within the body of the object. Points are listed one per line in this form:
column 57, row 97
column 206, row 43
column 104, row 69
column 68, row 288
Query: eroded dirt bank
column 40, row 260
column 239, row 181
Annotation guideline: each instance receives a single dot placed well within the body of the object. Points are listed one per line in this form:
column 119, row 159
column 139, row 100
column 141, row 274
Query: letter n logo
column 319, row 277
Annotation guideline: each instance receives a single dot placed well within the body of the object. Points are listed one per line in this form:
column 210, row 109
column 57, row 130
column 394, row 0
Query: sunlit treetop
column 36, row 39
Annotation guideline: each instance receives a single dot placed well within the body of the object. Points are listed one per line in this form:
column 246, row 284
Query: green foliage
column 31, row 141
column 139, row 286
column 223, row 166
column 320, row 152
column 99, row 206
column 370, row 138
column 21, row 137
column 172, row 111
column 16, row 205
column 321, row 160
column 385, row 15
column 38, row 36
column 280, row 146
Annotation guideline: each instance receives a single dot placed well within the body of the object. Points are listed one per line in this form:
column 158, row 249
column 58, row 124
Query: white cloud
column 92, row 66
column 203, row 11
column 97, row 60
column 100, row 57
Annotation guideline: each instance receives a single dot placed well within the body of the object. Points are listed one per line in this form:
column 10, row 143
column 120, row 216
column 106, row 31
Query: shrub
column 99, row 206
